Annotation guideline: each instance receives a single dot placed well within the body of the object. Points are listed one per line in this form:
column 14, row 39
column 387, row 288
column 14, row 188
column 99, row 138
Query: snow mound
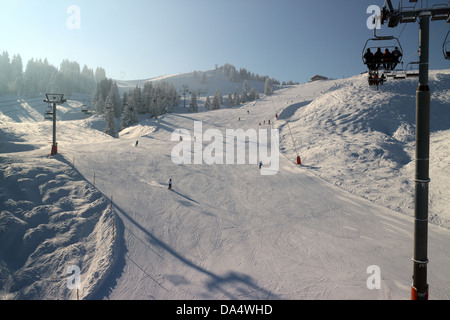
column 136, row 131
column 363, row 140
column 51, row 219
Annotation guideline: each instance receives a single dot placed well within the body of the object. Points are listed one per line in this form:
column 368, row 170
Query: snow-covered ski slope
column 225, row 231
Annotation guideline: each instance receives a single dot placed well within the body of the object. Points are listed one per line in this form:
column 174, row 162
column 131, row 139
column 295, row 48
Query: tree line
column 41, row 77
column 242, row 74
column 154, row 99
column 237, row 76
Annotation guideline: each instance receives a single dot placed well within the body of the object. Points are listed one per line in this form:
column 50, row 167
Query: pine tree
column 217, row 100
column 16, row 81
column 109, row 114
column 193, row 105
column 252, row 94
column 5, row 72
column 115, row 100
column 133, row 104
column 101, row 93
column 100, row 106
column 204, row 80
column 100, row 74
column 129, row 115
column 147, row 97
column 140, row 106
column 244, row 95
column 208, row 103
column 230, row 100
column 236, row 100
column 268, row 87
column 87, row 80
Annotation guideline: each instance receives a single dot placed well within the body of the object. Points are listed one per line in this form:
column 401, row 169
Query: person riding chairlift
column 378, row 58
column 396, row 55
column 368, row 57
column 387, row 59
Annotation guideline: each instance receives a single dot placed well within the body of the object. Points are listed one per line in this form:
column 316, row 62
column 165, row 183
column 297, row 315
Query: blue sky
column 137, row 39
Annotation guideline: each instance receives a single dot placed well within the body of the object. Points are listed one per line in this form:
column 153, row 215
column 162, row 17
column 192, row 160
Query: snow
column 226, row 231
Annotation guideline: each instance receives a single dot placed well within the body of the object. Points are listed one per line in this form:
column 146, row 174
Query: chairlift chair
column 375, row 79
column 446, row 47
column 49, row 113
column 389, row 42
column 400, row 75
column 87, row 108
column 411, row 73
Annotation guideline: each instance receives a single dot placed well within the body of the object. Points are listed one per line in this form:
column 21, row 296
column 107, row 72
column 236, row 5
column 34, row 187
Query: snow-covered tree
column 100, row 74
column 217, row 100
column 87, row 80
column 208, row 103
column 230, row 99
column 204, row 80
column 253, row 95
column 134, row 102
column 130, row 112
column 147, row 97
column 40, row 77
column 115, row 100
column 236, row 99
column 268, row 87
column 100, row 106
column 139, row 103
column 101, row 93
column 244, row 94
column 103, row 90
column 5, row 72
column 109, row 114
column 16, row 80
column 193, row 105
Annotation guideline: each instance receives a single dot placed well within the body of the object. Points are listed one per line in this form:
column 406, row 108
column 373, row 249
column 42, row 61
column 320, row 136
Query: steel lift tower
column 54, row 99
column 419, row 288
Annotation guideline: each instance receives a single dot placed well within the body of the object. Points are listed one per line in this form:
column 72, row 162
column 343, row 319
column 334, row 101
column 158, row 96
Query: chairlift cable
column 437, row 33
column 14, row 110
column 20, row 100
column 290, row 131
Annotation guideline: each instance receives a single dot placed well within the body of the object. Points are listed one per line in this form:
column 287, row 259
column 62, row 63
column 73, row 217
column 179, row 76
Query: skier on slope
column 170, row 184
column 260, row 164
